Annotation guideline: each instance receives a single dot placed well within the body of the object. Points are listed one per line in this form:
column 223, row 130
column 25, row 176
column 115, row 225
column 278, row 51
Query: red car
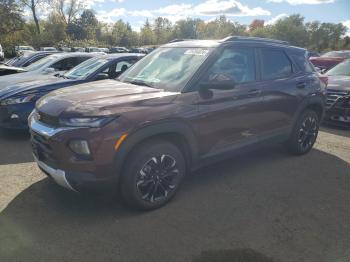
column 330, row 59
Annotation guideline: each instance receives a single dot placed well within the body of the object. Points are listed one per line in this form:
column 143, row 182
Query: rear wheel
column 304, row 134
column 152, row 174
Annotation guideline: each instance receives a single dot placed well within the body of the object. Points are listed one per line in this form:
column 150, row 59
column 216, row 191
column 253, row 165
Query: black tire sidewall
column 293, row 143
column 140, row 155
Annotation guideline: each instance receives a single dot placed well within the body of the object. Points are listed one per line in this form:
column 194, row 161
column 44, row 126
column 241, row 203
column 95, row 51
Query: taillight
column 324, row 79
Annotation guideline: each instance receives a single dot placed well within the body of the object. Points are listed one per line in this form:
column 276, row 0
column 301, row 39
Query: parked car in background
column 330, row 59
column 49, row 48
column 93, row 50
column 313, row 54
column 103, row 49
column 78, row 49
column 183, row 106
column 2, row 55
column 41, row 69
column 65, row 49
column 118, row 49
column 19, row 64
column 20, row 50
column 338, row 94
column 18, row 101
column 139, row 50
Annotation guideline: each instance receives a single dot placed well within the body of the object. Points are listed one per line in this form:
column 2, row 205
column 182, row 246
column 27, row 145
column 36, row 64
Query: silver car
column 45, row 68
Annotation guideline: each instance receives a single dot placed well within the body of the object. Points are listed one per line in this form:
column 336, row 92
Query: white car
column 45, row 67
column 2, row 56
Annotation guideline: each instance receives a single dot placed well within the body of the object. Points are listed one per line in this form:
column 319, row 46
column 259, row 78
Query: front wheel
column 152, row 174
column 304, row 134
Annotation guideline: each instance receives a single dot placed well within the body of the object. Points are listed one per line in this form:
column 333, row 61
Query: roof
column 227, row 40
column 121, row 55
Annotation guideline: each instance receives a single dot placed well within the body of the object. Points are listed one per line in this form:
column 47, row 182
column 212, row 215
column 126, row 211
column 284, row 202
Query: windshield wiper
column 140, row 83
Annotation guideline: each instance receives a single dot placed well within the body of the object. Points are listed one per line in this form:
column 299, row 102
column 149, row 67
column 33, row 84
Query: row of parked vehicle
column 20, row 50
column 137, row 124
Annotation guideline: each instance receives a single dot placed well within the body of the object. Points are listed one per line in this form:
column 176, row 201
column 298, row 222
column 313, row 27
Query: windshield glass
column 85, row 69
column 166, row 68
column 42, row 63
column 337, row 54
column 342, row 69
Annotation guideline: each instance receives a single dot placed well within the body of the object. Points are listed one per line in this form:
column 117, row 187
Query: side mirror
column 49, row 70
column 101, row 76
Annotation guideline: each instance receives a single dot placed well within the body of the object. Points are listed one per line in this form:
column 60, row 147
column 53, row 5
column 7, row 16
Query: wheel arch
column 176, row 132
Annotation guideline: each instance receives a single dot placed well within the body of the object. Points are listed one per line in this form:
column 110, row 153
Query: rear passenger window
column 274, row 64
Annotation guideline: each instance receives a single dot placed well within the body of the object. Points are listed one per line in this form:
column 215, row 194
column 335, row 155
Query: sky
column 243, row 11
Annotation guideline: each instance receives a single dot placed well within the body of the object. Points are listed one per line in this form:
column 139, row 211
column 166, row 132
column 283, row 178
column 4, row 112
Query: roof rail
column 176, row 40
column 257, row 39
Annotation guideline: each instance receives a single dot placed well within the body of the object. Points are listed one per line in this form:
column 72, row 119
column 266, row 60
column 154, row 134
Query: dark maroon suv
column 185, row 105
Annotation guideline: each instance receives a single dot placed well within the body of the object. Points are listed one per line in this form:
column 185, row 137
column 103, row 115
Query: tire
column 304, row 133
column 152, row 175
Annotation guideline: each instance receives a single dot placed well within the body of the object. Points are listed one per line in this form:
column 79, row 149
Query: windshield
column 42, row 63
column 85, row 69
column 342, row 69
column 166, row 68
column 337, row 54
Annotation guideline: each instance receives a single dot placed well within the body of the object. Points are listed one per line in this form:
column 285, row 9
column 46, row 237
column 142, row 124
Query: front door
column 231, row 112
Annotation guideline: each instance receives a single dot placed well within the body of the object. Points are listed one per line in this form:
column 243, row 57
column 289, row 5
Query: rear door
column 283, row 86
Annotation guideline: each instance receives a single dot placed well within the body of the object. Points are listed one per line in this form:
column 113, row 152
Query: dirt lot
column 260, row 206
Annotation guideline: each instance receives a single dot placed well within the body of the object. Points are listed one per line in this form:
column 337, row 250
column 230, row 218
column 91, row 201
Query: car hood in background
column 339, row 83
column 101, row 98
column 6, row 69
column 41, row 85
column 15, row 79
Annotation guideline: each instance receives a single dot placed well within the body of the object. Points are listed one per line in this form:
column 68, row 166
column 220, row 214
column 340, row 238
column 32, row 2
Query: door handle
column 254, row 92
column 301, row 85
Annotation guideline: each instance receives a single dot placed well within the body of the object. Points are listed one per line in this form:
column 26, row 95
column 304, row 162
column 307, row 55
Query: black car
column 17, row 102
column 338, row 95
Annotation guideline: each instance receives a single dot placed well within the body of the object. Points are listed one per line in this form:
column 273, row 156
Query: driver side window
column 234, row 64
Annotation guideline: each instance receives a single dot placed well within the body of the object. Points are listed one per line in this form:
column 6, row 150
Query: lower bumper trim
column 58, row 175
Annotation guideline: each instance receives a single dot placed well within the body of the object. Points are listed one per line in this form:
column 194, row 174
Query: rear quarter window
column 303, row 63
column 275, row 64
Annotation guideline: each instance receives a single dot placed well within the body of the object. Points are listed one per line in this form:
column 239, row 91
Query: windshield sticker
column 201, row 52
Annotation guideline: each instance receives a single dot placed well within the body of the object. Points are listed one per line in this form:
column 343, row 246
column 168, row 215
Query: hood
column 41, row 85
column 339, row 83
column 101, row 98
column 9, row 70
column 25, row 77
column 326, row 62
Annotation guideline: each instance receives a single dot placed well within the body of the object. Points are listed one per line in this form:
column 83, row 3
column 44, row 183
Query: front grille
column 42, row 149
column 333, row 96
column 48, row 120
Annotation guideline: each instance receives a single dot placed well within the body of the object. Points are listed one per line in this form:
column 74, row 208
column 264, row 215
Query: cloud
column 273, row 20
column 142, row 13
column 229, row 8
column 208, row 8
column 302, row 2
column 110, row 17
column 347, row 24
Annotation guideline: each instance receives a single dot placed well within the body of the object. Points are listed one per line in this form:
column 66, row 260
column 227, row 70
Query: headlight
column 86, row 121
column 17, row 100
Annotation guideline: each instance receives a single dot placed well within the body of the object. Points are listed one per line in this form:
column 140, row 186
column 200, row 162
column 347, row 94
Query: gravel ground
column 260, row 206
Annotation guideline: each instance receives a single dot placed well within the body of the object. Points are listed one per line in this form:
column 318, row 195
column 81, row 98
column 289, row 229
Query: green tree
column 146, row 34
column 11, row 17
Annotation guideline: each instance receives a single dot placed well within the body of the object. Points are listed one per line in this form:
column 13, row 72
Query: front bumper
column 54, row 157
column 15, row 116
column 339, row 112
column 58, row 175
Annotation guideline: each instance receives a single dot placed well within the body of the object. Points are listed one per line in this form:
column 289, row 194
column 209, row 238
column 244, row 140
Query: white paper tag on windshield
column 196, row 51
